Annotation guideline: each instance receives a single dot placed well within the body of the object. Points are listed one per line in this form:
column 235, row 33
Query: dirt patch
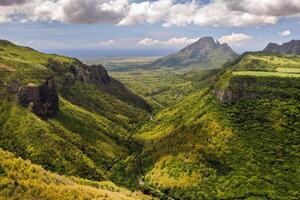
column 6, row 68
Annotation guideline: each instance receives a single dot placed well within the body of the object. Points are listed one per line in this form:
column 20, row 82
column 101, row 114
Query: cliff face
column 249, row 88
column 42, row 99
column 93, row 74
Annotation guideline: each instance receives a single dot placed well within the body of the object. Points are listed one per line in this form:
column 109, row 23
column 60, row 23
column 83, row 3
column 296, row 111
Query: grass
column 288, row 70
column 281, row 73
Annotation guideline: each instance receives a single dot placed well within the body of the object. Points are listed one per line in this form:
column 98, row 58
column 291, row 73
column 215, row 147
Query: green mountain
column 204, row 53
column 68, row 117
column 236, row 138
column 292, row 47
column 71, row 131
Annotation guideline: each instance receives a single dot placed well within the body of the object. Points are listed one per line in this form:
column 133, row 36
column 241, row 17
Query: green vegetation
column 266, row 62
column 195, row 146
column 262, row 73
column 203, row 149
column 21, row 179
column 88, row 136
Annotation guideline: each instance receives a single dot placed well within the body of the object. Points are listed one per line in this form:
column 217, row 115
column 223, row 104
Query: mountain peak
column 204, row 53
column 291, row 47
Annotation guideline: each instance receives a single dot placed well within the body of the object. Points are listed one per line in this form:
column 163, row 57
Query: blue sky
column 95, row 28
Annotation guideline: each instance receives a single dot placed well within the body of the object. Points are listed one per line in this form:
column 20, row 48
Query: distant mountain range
column 292, row 47
column 204, row 53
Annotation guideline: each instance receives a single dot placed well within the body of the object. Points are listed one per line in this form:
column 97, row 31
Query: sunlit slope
column 205, row 149
column 88, row 135
column 21, row 179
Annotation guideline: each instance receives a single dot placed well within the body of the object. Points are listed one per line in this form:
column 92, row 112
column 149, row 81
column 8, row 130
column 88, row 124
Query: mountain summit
column 292, row 47
column 204, row 53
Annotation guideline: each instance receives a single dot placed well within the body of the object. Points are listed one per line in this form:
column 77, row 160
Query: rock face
column 42, row 99
column 250, row 88
column 204, row 53
column 292, row 47
column 228, row 96
column 93, row 74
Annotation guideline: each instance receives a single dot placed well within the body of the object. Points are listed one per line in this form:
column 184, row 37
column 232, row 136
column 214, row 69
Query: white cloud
column 177, row 41
column 30, row 42
column 108, row 42
column 81, row 11
column 180, row 41
column 233, row 13
column 234, row 38
column 285, row 33
column 4, row 19
column 148, row 42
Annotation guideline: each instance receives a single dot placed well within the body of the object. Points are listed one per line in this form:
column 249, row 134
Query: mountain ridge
column 291, row 47
column 204, row 53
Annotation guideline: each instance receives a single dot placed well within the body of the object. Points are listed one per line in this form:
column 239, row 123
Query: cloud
column 4, row 19
column 285, row 33
column 177, row 41
column 30, row 42
column 228, row 13
column 234, row 38
column 81, row 11
column 11, row 2
column 265, row 7
column 148, row 42
column 162, row 11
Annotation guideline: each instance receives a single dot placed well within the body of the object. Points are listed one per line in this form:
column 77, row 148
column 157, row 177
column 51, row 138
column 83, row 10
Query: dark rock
column 42, row 99
column 98, row 74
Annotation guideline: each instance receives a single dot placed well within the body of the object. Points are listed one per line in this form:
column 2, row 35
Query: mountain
column 204, row 53
column 68, row 117
column 292, row 47
column 235, row 138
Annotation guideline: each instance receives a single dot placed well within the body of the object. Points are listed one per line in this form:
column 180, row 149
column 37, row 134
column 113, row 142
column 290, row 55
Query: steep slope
column 69, row 117
column 292, row 47
column 245, row 148
column 21, row 179
column 205, row 53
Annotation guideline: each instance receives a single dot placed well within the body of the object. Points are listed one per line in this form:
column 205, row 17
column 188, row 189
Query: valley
column 126, row 131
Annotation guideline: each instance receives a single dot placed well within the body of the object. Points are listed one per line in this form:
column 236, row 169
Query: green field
column 288, row 70
column 262, row 73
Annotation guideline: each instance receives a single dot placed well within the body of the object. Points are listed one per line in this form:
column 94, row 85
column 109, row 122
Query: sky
column 105, row 28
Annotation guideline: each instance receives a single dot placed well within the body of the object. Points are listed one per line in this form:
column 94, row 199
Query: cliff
column 42, row 99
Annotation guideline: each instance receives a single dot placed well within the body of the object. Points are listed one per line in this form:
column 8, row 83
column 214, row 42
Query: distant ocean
column 100, row 53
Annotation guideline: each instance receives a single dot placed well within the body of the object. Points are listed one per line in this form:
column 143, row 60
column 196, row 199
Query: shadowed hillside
column 59, row 108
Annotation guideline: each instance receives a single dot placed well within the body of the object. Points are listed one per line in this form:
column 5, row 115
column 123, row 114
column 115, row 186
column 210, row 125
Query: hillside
column 292, row 47
column 59, row 108
column 21, row 179
column 237, row 138
column 204, row 53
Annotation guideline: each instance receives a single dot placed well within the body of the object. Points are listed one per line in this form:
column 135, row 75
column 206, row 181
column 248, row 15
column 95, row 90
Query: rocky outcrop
column 228, row 96
column 43, row 99
column 250, row 87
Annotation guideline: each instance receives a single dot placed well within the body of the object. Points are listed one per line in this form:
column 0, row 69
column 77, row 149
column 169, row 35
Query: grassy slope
column 201, row 149
column 21, row 179
column 89, row 134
